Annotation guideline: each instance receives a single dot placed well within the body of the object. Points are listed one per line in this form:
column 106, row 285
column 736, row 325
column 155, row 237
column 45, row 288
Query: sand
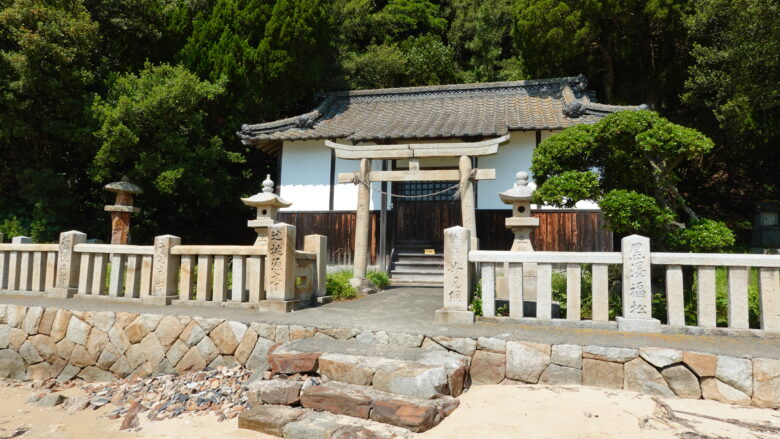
column 511, row 411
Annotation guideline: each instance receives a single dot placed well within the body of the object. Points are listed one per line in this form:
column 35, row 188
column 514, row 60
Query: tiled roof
column 462, row 110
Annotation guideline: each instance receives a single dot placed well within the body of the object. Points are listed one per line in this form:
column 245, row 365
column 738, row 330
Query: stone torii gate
column 465, row 175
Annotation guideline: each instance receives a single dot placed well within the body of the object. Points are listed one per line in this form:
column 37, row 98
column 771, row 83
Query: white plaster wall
column 345, row 194
column 305, row 175
column 514, row 155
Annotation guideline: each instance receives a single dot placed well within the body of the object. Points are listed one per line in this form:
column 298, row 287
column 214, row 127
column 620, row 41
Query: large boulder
column 526, row 361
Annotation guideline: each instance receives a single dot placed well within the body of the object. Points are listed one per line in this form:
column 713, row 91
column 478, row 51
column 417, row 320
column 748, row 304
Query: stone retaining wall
column 38, row 343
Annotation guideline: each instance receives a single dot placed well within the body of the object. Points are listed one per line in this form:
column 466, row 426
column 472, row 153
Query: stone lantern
column 122, row 208
column 521, row 223
column 267, row 204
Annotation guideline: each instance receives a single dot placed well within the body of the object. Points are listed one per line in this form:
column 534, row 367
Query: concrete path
column 411, row 310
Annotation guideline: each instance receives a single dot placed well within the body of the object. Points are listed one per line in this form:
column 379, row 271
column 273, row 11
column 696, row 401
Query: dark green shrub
column 338, row 287
column 705, row 236
column 379, row 278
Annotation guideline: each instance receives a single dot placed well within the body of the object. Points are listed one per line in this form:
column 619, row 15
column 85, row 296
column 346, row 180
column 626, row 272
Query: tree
column 46, row 75
column 734, row 80
column 630, row 162
column 153, row 128
column 617, row 43
column 480, row 33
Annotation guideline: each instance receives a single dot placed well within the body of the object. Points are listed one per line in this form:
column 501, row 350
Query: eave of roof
column 443, row 111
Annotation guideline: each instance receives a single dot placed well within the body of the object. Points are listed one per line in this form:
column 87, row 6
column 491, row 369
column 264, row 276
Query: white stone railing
column 27, row 267
column 220, row 274
column 128, row 269
column 530, row 274
column 276, row 277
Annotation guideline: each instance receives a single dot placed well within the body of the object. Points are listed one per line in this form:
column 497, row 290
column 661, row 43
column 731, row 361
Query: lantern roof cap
column 123, row 185
column 519, row 192
column 267, row 197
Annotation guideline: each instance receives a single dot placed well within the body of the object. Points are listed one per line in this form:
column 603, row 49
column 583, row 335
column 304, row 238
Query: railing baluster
column 116, row 285
column 204, row 278
column 25, row 271
column 573, row 291
column 13, row 270
column 238, row 291
column 738, row 297
column 600, row 292
column 133, row 276
column 51, row 269
column 256, row 275
column 146, row 275
column 185, row 277
column 99, row 274
column 706, row 296
column 675, row 300
column 769, row 280
column 38, row 271
column 85, row 273
column 220, row 278
column 515, row 273
column 544, row 291
column 488, row 289
column 3, row 270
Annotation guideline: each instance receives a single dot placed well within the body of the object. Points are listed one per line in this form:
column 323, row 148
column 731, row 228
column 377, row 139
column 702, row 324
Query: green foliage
column 476, row 300
column 705, row 236
column 428, row 61
column 632, row 212
column 566, row 188
column 400, row 19
column 379, row 278
column 337, row 285
column 380, row 66
column 640, row 158
column 153, row 129
column 11, row 227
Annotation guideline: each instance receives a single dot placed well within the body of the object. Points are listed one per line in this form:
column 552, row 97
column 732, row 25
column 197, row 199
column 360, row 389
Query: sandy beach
column 498, row 411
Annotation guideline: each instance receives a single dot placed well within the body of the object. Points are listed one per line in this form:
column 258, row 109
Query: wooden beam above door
column 422, row 175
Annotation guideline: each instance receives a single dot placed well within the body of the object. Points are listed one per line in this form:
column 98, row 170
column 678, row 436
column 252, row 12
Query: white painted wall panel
column 345, row 194
column 305, row 175
column 512, row 156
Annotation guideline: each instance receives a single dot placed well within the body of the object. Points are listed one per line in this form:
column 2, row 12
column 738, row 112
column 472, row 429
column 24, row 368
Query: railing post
column 165, row 269
column 318, row 244
column 637, row 297
column 457, row 243
column 280, row 269
column 68, row 264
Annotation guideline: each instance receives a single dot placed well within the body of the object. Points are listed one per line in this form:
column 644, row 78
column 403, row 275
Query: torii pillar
column 362, row 222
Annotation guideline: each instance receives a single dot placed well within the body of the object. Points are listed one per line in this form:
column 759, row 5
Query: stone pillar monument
column 522, row 224
column 267, row 204
column 121, row 210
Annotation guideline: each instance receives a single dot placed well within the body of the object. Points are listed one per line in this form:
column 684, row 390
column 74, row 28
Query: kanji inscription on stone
column 636, row 278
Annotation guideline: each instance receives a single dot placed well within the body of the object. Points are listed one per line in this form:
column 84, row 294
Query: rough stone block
column 192, row 334
column 287, row 361
column 713, row 388
column 284, row 392
column 340, row 400
column 703, row 365
column 526, row 361
column 682, row 381
column 598, row 373
column 192, row 360
column 45, row 347
column 568, row 355
column 136, row 331
column 340, row 333
column 258, row 359
column 245, row 346
column 736, row 372
column 95, row 375
column 168, row 330
column 78, row 331
column 617, row 355
column 641, row 376
column 660, row 357
column 16, row 337
column 47, row 321
column 415, row 379
column 224, row 339
column 488, row 367
column 405, row 340
column 32, row 319
column 766, row 383
column 60, row 325
column 40, row 371
column 491, row 344
column 463, row 346
column 348, row 369
column 417, row 418
column 456, row 366
column 454, row 317
column 269, row 419
column 561, row 375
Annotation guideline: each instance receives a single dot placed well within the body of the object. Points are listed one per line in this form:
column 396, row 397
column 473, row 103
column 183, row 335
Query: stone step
column 411, row 277
column 418, row 255
column 301, row 423
column 415, row 283
column 418, row 270
column 421, row 262
column 414, row 372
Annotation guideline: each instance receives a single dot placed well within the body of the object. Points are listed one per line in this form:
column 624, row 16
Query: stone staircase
column 411, row 266
column 346, row 389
